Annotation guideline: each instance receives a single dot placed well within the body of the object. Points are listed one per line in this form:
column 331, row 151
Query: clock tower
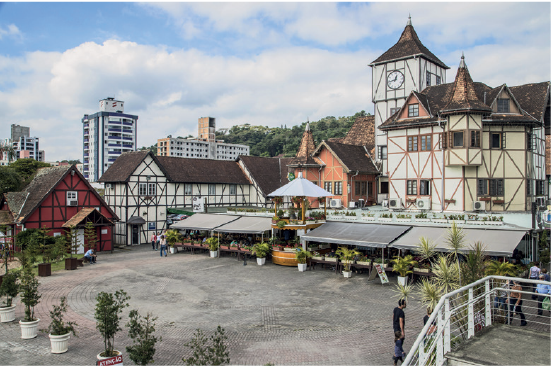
column 407, row 66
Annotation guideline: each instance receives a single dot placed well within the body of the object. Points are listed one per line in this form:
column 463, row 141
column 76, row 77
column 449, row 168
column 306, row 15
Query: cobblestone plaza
column 271, row 314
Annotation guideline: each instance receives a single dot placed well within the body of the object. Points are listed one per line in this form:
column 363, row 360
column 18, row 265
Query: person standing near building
column 515, row 304
column 398, row 348
column 153, row 240
column 546, row 276
column 163, row 245
column 158, row 241
column 535, row 274
column 543, row 291
column 399, row 317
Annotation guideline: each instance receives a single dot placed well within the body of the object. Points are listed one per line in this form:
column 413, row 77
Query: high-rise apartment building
column 206, row 146
column 25, row 146
column 106, row 135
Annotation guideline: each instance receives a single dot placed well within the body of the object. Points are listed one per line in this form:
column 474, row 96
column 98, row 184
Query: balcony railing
column 111, row 159
column 127, row 145
column 127, row 131
column 127, row 138
column 113, row 152
column 113, row 137
column 127, row 123
column 86, row 126
column 86, row 154
column 86, row 140
column 114, row 129
column 115, row 122
column 85, row 161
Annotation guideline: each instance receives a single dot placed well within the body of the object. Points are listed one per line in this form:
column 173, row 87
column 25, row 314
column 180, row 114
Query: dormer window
column 503, row 105
column 413, row 110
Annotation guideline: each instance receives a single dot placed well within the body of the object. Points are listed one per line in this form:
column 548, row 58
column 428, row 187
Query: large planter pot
column 475, row 222
column 402, row 280
column 318, row 258
column 7, row 314
column 403, row 219
column 29, row 329
column 363, row 262
column 44, row 270
column 458, row 221
column 493, row 223
column 289, row 249
column 438, row 220
column 302, row 267
column 368, row 219
column 59, row 343
column 117, row 362
column 71, row 263
column 332, row 259
column 347, row 274
column 173, row 250
column 421, row 270
column 385, row 219
column 213, row 253
column 261, row 260
column 422, row 219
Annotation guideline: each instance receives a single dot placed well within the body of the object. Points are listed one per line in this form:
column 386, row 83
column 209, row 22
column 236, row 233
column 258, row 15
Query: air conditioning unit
column 479, row 205
column 395, row 203
column 335, row 203
column 422, row 203
column 73, row 203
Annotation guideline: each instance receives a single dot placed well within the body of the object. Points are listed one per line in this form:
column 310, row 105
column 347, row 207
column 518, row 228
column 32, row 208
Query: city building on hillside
column 58, row 198
column 24, row 145
column 345, row 169
column 407, row 66
column 106, row 135
column 206, row 146
column 465, row 146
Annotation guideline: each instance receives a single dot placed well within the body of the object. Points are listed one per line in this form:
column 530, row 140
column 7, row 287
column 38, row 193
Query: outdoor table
column 314, row 262
column 233, row 250
column 362, row 267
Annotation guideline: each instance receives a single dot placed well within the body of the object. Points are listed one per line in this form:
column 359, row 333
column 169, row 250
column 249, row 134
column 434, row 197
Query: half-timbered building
column 141, row 187
column 465, row 146
column 58, row 198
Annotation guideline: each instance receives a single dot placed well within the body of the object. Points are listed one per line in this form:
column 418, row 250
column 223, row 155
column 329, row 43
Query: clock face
column 395, row 79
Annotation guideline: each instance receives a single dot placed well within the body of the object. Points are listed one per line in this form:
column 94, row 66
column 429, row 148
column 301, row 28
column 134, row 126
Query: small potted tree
column 172, row 237
column 346, row 256
column 8, row 289
column 261, row 250
column 60, row 331
column 73, row 244
column 109, row 306
column 28, row 291
column 45, row 244
column 141, row 330
column 302, row 256
column 90, row 235
column 212, row 243
column 402, row 266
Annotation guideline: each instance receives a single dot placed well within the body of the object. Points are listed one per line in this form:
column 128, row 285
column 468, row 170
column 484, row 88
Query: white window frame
column 151, row 189
column 188, row 189
column 142, row 189
column 212, row 189
column 233, row 189
column 72, row 195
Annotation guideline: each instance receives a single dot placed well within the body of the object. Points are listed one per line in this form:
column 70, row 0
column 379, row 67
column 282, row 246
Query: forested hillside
column 270, row 142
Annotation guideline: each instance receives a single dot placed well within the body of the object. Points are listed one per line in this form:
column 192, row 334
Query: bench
column 80, row 262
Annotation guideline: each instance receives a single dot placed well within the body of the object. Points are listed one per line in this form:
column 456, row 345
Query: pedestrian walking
column 515, row 304
column 535, row 274
column 398, row 348
column 153, row 240
column 158, row 241
column 432, row 327
column 163, row 245
column 543, row 291
column 399, row 318
column 546, row 276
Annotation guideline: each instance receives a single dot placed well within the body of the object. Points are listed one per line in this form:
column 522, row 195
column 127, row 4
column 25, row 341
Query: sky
column 268, row 64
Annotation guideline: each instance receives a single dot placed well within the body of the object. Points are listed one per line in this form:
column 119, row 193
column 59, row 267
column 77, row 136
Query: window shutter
column 503, row 146
column 444, row 140
column 451, row 139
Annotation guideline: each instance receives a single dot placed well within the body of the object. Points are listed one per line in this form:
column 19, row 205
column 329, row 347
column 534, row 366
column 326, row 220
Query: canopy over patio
column 498, row 242
column 256, row 225
column 204, row 222
column 301, row 187
column 356, row 234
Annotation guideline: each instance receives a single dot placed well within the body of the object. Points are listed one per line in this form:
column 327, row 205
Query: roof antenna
column 409, row 19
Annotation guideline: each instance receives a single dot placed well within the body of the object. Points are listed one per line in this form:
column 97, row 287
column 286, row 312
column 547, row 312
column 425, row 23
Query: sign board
column 381, row 272
column 117, row 360
column 103, row 231
column 198, row 204
column 290, row 176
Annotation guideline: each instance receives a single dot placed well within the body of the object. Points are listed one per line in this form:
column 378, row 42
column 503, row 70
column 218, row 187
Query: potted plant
column 368, row 217
column 28, row 291
column 380, row 262
column 9, row 289
column 331, row 258
column 438, row 219
column 346, row 256
column 172, row 236
column 317, row 256
column 363, row 260
column 45, row 243
column 301, row 256
column 422, row 217
column 473, row 219
column 109, row 306
column 60, row 331
column 213, row 246
column 281, row 224
column 73, row 244
column 385, row 217
column 402, row 266
column 261, row 250
column 403, row 217
column 141, row 330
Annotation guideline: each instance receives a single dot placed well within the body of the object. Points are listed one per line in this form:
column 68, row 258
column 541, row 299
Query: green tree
column 141, row 330
column 109, row 306
column 208, row 351
column 10, row 180
column 28, row 287
column 27, row 167
column 90, row 235
column 72, row 240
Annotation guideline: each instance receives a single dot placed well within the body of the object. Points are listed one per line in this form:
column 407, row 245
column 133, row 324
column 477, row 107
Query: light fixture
column 72, row 172
column 148, row 177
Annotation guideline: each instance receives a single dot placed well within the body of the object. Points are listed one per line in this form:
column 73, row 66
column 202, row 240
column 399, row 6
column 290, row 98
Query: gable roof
column 361, row 133
column 201, row 170
column 124, row 166
column 268, row 173
column 305, row 150
column 408, row 46
column 23, row 203
column 6, row 217
column 533, row 98
column 84, row 213
column 352, row 157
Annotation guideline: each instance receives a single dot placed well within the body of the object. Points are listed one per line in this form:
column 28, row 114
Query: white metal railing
column 461, row 314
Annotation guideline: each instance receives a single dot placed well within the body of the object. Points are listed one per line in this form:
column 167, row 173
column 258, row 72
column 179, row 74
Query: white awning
column 247, row 225
column 356, row 234
column 204, row 222
column 498, row 242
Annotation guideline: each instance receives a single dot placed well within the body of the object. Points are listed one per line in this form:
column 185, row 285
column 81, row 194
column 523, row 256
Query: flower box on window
column 484, row 199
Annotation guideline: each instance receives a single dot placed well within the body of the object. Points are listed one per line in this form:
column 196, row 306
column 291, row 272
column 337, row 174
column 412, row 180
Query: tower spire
column 409, row 19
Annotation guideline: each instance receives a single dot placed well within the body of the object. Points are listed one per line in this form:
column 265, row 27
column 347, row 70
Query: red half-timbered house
column 60, row 197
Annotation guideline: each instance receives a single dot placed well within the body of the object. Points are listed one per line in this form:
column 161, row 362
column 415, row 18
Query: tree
column 109, row 306
column 57, row 325
column 72, row 240
column 27, row 167
column 141, row 331
column 90, row 235
column 28, row 287
column 504, row 269
column 455, row 240
column 10, row 180
column 7, row 150
column 205, row 353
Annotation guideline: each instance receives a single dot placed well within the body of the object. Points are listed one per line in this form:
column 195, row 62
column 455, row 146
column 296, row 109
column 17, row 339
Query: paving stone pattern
column 271, row 314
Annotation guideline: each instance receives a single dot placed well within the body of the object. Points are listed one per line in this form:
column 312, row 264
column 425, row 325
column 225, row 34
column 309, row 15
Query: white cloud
column 11, row 31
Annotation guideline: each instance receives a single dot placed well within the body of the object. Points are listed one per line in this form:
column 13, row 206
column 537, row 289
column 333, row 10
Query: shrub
column 261, row 249
column 109, row 306
column 9, row 289
column 208, row 353
column 57, row 325
column 141, row 331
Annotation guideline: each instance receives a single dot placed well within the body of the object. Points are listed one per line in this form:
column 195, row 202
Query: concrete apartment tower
column 106, row 135
column 25, row 145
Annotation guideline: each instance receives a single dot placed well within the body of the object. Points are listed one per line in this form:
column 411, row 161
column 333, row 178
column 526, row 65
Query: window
column 475, row 139
column 369, row 188
column 152, row 189
column 72, row 196
column 327, row 186
column 188, row 189
column 540, row 187
column 426, row 142
column 531, row 142
column 438, row 80
column 428, row 78
column 497, row 140
column 413, row 110
column 481, row 188
column 393, row 110
column 212, row 189
column 412, row 187
column 233, row 189
column 315, row 183
column 491, row 187
column 503, row 105
column 360, row 188
column 412, row 143
column 443, row 140
column 382, row 151
column 338, row 188
column 457, row 137
column 424, row 187
column 142, row 189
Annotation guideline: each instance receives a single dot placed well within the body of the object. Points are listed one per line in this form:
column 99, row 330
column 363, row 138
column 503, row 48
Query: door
column 135, row 235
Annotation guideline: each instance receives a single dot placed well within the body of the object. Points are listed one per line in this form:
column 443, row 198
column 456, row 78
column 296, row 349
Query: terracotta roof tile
column 361, row 133
column 202, row 170
column 354, row 157
column 305, row 150
column 269, row 173
column 6, row 218
column 533, row 98
column 124, row 166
